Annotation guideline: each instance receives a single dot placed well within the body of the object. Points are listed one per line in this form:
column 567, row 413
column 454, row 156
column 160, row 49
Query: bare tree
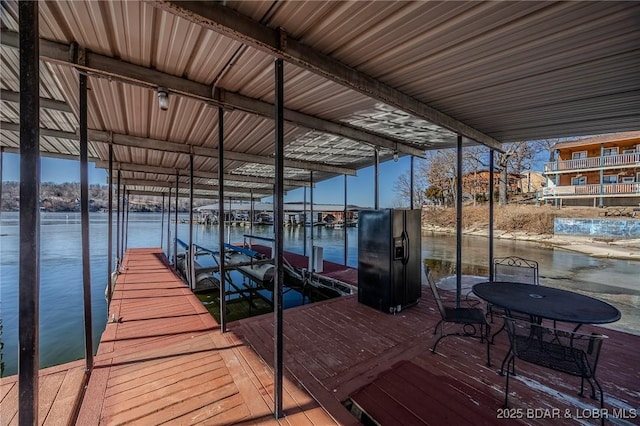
column 442, row 173
column 516, row 158
column 402, row 186
column 547, row 145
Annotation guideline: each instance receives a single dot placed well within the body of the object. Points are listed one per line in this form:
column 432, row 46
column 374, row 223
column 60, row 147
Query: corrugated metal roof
column 603, row 139
column 510, row 70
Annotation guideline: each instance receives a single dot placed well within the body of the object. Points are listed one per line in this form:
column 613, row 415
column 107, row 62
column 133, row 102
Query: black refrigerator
column 389, row 258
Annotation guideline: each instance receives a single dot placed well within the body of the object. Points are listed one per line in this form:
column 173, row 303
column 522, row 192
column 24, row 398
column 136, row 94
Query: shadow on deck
column 338, row 347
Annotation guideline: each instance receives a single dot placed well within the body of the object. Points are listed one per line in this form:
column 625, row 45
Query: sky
column 359, row 188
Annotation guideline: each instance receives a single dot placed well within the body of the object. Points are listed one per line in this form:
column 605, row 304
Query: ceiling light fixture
column 163, row 98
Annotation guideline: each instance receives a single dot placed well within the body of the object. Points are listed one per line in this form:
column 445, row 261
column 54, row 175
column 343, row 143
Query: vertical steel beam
column 162, row 223
column 459, row 223
column 125, row 206
column 601, row 198
column 118, row 223
column 278, row 218
column 28, row 318
column 376, row 179
column 304, row 224
column 169, row 225
column 110, row 229
column 251, row 213
column 411, row 183
column 311, row 213
column 84, row 219
column 223, row 282
column 192, row 274
column 344, row 223
column 175, row 226
column 491, row 218
column 229, row 225
column 125, row 238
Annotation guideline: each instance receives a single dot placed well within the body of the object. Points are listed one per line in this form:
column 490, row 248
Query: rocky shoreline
column 624, row 249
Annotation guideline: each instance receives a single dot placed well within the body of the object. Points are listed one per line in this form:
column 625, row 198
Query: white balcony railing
column 631, row 159
column 594, row 189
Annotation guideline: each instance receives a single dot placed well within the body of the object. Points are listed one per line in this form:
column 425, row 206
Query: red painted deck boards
column 58, row 392
column 163, row 359
column 338, row 347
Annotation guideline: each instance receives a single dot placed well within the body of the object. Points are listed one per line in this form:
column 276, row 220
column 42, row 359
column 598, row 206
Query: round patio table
column 547, row 302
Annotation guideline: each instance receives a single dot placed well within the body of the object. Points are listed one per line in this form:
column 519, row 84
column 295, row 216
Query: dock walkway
column 163, row 359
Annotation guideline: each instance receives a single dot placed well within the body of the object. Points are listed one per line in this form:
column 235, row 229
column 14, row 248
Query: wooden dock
column 162, row 359
column 341, row 350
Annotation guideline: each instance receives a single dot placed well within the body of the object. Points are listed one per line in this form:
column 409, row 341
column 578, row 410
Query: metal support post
column 311, row 213
column 376, row 179
column 251, row 213
column 491, row 206
column 192, row 270
column 278, row 218
column 169, row 226
column 459, row 223
column 223, row 284
column 175, row 226
column 344, row 223
column 118, row 258
column 29, row 269
column 229, row 225
column 162, row 223
column 304, row 224
column 125, row 238
column 84, row 213
column 411, row 183
column 124, row 224
column 601, row 199
column 110, row 228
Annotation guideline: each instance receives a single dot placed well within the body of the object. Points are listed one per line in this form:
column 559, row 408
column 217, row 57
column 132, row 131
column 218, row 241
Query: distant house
column 477, row 182
column 531, row 182
column 598, row 171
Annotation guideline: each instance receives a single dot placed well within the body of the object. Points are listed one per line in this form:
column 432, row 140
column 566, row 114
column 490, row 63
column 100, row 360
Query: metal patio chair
column 473, row 320
column 513, row 269
column 568, row 352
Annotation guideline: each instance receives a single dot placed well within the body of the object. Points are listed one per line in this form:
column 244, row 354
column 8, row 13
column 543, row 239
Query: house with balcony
column 599, row 171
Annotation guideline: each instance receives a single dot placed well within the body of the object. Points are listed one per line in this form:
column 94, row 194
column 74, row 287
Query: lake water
column 61, row 311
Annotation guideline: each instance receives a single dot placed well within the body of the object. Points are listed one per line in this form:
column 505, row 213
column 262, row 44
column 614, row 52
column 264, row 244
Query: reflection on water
column 61, row 314
column 614, row 281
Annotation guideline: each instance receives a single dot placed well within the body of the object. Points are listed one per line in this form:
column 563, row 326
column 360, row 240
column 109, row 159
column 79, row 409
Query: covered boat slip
column 250, row 99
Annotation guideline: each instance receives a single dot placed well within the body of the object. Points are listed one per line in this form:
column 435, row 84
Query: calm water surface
column 61, row 312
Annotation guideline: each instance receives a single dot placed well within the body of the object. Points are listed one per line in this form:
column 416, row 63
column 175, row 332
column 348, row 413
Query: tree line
column 435, row 178
column 65, row 197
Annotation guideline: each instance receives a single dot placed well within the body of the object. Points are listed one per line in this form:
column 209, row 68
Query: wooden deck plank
column 164, row 360
column 48, row 387
column 9, row 410
column 361, row 344
column 60, row 412
column 58, row 389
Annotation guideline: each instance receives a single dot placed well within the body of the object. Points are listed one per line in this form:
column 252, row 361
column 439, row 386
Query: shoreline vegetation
column 65, row 197
column 514, row 221
column 531, row 223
